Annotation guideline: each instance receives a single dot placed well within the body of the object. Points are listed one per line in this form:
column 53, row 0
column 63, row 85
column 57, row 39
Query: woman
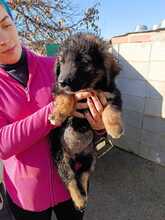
column 33, row 185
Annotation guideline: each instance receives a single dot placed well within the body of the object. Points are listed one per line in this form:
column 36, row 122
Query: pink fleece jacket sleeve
column 20, row 135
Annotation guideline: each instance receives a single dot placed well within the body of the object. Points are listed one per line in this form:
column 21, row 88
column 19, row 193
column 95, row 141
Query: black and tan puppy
column 85, row 64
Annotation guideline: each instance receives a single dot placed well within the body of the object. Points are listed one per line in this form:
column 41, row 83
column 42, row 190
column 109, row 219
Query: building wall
column 142, row 83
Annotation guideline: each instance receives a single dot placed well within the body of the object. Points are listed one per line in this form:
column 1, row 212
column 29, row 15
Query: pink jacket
column 30, row 176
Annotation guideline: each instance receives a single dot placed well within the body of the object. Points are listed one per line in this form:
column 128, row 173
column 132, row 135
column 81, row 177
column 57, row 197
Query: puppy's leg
column 112, row 115
column 85, row 181
column 88, row 164
column 64, row 106
column 86, row 175
column 78, row 199
column 68, row 176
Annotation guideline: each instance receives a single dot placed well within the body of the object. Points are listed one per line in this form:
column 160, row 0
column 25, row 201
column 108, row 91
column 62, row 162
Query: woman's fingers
column 82, row 95
column 92, row 108
column 80, row 105
column 90, row 119
column 78, row 114
column 102, row 98
column 95, row 124
column 97, row 103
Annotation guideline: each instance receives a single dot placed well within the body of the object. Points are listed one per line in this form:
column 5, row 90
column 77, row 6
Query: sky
column 119, row 17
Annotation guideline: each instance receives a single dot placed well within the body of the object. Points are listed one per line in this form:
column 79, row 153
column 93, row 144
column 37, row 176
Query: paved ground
column 126, row 187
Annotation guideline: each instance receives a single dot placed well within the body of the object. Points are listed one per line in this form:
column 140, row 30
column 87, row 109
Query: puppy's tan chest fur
column 76, row 142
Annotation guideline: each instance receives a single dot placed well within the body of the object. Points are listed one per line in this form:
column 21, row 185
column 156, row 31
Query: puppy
column 85, row 64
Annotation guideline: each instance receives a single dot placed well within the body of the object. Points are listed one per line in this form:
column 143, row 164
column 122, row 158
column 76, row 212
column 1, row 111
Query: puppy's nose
column 64, row 83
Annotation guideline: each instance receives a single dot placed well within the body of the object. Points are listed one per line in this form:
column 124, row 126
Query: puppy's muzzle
column 64, row 85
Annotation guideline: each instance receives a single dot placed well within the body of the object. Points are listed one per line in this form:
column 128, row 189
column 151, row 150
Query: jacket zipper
column 27, row 93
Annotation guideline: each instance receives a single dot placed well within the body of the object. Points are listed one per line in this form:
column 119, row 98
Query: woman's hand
column 81, row 95
column 95, row 104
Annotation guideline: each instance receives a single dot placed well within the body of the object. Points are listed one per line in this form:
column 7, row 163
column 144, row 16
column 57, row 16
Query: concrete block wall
column 142, row 83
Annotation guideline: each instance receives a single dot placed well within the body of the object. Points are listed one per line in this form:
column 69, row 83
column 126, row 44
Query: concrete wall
column 142, row 82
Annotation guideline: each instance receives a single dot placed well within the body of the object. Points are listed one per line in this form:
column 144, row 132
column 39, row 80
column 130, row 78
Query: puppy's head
column 85, row 60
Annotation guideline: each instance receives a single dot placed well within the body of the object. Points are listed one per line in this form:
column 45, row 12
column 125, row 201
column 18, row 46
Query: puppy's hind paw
column 81, row 203
column 115, row 131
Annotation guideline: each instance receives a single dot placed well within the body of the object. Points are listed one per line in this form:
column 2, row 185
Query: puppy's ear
column 111, row 66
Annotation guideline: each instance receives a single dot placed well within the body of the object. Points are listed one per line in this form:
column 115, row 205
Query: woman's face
column 10, row 46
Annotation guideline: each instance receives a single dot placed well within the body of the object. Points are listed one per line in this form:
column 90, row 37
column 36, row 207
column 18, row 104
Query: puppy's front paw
column 64, row 106
column 80, row 203
column 115, row 130
column 113, row 123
